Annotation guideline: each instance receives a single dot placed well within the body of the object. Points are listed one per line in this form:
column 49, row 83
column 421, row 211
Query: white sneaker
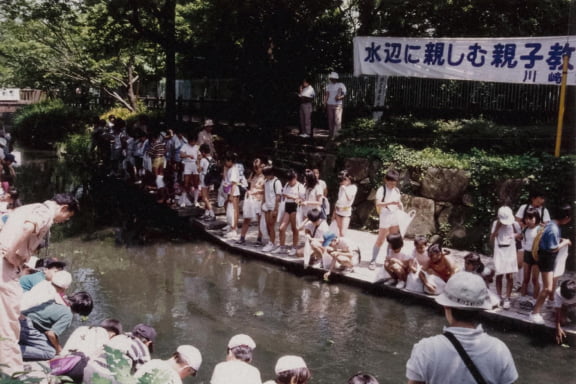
column 231, row 235
column 226, row 228
column 400, row 284
column 279, row 250
column 506, row 303
column 304, row 135
column 536, row 318
column 292, row 252
column 268, row 247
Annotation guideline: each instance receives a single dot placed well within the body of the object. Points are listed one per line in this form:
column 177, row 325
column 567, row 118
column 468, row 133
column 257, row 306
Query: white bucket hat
column 241, row 339
column 62, row 279
column 289, row 362
column 333, row 75
column 208, row 123
column 191, row 355
column 465, row 290
column 505, row 215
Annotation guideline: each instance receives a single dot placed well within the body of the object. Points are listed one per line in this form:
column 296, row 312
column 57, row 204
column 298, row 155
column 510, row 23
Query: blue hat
column 328, row 237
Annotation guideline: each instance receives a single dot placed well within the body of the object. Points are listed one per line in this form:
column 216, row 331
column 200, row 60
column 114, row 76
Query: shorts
column 528, row 259
column 158, row 162
column 388, row 219
column 190, row 168
column 546, row 260
column 290, row 207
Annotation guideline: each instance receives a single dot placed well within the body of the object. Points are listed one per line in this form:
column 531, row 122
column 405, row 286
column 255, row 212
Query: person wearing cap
column 237, row 368
column 184, row 362
column 205, row 136
column 306, row 96
column 54, row 289
column 43, row 325
column 549, row 246
column 20, row 237
column 435, row 360
column 48, row 267
column 505, row 231
column 344, row 253
column 290, row 369
column 335, row 93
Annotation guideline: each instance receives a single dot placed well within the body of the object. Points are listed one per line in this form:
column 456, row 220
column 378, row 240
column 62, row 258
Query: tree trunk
column 170, row 50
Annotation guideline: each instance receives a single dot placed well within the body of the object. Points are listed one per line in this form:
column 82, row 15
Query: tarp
column 525, row 60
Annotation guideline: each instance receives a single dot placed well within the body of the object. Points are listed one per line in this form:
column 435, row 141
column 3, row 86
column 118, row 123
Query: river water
column 195, row 293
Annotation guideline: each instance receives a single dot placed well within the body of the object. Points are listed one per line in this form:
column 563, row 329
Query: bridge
column 11, row 99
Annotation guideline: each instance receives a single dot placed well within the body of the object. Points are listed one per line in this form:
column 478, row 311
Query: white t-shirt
column 164, row 372
column 400, row 256
column 434, row 360
column 392, row 195
column 272, row 188
column 308, row 92
column 317, row 232
column 292, row 192
column 232, row 176
column 235, row 372
column 505, row 235
column 346, row 196
column 334, row 89
column 88, row 340
column 529, row 234
column 190, row 163
column 204, row 164
column 544, row 214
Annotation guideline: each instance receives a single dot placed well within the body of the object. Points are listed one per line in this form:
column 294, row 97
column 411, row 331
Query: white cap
column 241, row 339
column 505, row 215
column 191, row 356
column 62, row 279
column 31, row 263
column 465, row 290
column 289, row 362
column 208, row 123
column 333, row 75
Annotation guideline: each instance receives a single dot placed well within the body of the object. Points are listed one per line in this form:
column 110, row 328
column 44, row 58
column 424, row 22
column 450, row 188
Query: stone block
column 423, row 223
column 444, row 184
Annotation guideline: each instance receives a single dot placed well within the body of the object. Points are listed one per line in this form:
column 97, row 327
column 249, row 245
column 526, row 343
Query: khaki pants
column 306, row 118
column 10, row 297
column 334, row 119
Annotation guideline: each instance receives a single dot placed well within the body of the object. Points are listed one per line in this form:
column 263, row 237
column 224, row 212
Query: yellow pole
column 562, row 106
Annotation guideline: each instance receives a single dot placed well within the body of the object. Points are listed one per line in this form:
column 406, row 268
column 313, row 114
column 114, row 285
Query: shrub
column 41, row 125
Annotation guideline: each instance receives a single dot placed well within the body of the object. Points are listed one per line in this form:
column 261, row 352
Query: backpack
column 536, row 243
column 213, row 174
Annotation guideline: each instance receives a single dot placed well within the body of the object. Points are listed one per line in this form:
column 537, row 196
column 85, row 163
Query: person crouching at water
column 440, row 359
column 362, row 378
column 237, row 369
column 290, row 370
column 184, row 362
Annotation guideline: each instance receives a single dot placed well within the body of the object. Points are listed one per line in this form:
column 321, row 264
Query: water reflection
column 194, row 293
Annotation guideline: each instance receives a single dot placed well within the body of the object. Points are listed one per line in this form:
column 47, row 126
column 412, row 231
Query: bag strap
column 467, row 360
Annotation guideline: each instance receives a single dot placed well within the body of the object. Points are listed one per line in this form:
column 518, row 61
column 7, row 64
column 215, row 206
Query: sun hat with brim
column 328, row 237
column 288, row 363
column 333, row 75
column 62, row 279
column 465, row 290
column 208, row 123
column 241, row 339
column 190, row 355
column 505, row 215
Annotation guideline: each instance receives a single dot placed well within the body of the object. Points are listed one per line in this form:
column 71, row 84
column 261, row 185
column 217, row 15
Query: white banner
column 9, row 94
column 527, row 60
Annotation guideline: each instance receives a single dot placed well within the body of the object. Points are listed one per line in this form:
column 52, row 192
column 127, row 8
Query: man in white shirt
column 335, row 93
column 306, row 95
column 435, row 360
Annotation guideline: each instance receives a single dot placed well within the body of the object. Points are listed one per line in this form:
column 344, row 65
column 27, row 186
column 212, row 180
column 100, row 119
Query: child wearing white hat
column 503, row 236
column 290, row 369
column 184, row 362
column 237, row 368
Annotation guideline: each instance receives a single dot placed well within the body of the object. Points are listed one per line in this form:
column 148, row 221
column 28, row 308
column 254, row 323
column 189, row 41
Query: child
column 292, row 194
column 531, row 223
column 8, row 174
column 205, row 161
column 252, row 208
column 503, row 238
column 230, row 187
column 272, row 196
column 565, row 305
column 313, row 193
column 418, row 263
column 189, row 154
column 387, row 203
column 344, row 253
column 397, row 263
column 290, row 370
column 343, row 209
column 440, row 269
column 315, row 227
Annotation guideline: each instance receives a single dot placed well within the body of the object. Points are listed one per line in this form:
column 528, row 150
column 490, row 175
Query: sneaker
column 292, row 252
column 211, row 218
column 241, row 241
column 506, row 303
column 268, row 247
column 372, row 265
column 231, row 235
column 536, row 318
column 304, row 135
column 226, row 228
column 401, row 284
column 279, row 250
column 258, row 243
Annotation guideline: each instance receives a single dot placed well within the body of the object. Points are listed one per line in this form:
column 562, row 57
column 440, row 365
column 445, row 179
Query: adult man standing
column 205, row 136
column 335, row 93
column 306, row 95
column 19, row 238
column 440, row 359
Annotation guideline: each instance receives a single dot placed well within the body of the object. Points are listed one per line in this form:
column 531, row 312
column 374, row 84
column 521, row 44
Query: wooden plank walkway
column 516, row 317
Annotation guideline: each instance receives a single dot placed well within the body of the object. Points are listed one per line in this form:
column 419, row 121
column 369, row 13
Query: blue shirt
column 550, row 239
column 28, row 281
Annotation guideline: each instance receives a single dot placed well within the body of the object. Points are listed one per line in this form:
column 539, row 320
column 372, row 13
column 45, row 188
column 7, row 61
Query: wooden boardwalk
column 370, row 280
